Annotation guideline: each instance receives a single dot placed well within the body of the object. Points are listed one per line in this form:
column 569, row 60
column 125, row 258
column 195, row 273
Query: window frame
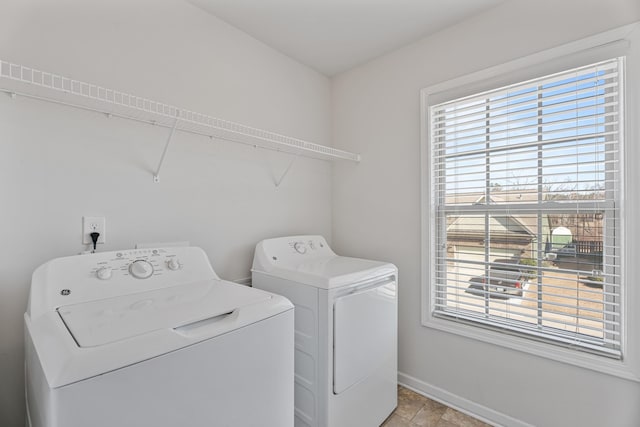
column 594, row 49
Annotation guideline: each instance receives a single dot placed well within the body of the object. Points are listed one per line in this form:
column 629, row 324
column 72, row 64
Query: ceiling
column 332, row 36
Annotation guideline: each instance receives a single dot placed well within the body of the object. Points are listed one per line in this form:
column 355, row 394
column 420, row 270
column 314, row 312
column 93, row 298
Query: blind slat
column 506, row 113
column 520, row 145
column 608, row 68
column 440, row 130
column 484, row 129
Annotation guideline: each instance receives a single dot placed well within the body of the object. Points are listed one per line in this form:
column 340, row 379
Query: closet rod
column 14, row 94
column 24, row 81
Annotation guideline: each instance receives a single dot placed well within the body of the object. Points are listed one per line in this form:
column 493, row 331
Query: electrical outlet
column 91, row 224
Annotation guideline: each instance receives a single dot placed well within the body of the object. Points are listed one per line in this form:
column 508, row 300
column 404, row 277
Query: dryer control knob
column 141, row 269
column 300, row 247
column 104, row 273
column 173, row 264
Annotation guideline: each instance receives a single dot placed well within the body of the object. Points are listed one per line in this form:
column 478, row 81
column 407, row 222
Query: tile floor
column 415, row 410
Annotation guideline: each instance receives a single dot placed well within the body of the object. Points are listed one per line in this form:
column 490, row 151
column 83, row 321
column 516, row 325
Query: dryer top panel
column 309, row 260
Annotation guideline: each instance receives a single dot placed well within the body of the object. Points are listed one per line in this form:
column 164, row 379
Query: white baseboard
column 461, row 404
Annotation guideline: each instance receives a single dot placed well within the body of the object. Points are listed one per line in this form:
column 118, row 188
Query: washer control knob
column 104, row 273
column 141, row 269
column 300, row 247
column 173, row 264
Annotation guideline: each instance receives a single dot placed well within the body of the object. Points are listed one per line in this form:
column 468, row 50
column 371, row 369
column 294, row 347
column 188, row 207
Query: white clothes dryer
column 154, row 338
column 345, row 329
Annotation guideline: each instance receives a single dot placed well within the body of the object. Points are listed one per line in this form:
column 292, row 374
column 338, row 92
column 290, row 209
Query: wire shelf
column 24, row 81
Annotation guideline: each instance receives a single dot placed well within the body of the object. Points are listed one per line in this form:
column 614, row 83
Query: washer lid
column 114, row 319
column 83, row 340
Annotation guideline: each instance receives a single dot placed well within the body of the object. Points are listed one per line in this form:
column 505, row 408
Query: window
column 525, row 217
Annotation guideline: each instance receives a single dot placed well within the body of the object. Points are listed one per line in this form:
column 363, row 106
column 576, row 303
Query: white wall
column 58, row 164
column 376, row 112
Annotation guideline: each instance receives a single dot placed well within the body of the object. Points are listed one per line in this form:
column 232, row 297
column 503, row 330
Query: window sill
column 617, row 368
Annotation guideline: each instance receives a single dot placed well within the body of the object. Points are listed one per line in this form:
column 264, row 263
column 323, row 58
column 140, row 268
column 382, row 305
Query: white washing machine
column 153, row 338
column 345, row 330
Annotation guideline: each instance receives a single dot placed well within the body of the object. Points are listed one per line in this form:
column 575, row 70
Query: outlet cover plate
column 91, row 224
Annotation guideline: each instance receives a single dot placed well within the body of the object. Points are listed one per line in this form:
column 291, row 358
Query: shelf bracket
column 286, row 171
column 156, row 176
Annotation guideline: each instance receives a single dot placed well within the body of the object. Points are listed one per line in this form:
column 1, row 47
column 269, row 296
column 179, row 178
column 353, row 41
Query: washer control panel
column 139, row 264
column 81, row 278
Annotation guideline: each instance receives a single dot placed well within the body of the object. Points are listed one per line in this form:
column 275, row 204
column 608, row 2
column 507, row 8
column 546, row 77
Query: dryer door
column 364, row 332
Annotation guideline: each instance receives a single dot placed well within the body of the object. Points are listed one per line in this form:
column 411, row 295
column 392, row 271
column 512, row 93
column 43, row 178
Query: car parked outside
column 567, row 250
column 504, row 279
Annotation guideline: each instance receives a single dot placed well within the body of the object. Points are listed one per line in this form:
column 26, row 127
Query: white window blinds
column 526, row 186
